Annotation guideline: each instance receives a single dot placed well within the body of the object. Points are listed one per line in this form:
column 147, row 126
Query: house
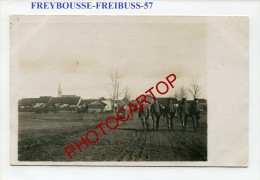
column 109, row 104
column 85, row 102
column 102, row 99
column 42, row 101
column 27, row 104
column 96, row 106
column 83, row 106
column 65, row 102
column 32, row 104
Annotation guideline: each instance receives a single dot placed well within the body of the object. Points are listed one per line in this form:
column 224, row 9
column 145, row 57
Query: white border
column 181, row 8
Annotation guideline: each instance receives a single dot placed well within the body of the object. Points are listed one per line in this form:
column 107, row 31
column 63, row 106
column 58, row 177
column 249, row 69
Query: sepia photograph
column 109, row 89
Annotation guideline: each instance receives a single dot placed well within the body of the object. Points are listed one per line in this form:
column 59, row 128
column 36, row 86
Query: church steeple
column 59, row 90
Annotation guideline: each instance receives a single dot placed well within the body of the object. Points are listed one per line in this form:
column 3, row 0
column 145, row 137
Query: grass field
column 43, row 137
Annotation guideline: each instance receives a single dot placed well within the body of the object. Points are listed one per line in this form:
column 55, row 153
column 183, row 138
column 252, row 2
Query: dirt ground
column 43, row 137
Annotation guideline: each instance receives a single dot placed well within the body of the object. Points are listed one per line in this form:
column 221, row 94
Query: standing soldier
column 156, row 111
column 195, row 112
column 171, row 110
column 144, row 115
column 184, row 110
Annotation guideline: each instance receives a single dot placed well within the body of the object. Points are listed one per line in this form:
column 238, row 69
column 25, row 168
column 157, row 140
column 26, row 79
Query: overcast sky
column 80, row 52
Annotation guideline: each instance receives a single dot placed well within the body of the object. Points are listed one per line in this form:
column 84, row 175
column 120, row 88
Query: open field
column 43, row 137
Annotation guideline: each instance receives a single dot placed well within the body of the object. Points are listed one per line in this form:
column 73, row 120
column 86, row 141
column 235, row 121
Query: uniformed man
column 171, row 110
column 144, row 115
column 195, row 112
column 184, row 111
column 156, row 111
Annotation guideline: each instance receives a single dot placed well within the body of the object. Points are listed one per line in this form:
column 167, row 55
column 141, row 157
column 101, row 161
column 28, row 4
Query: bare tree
column 115, row 92
column 195, row 89
column 127, row 95
column 181, row 93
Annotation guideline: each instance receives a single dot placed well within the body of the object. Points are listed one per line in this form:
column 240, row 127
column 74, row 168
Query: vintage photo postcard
column 129, row 90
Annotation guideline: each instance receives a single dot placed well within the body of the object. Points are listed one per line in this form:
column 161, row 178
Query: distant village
column 74, row 103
